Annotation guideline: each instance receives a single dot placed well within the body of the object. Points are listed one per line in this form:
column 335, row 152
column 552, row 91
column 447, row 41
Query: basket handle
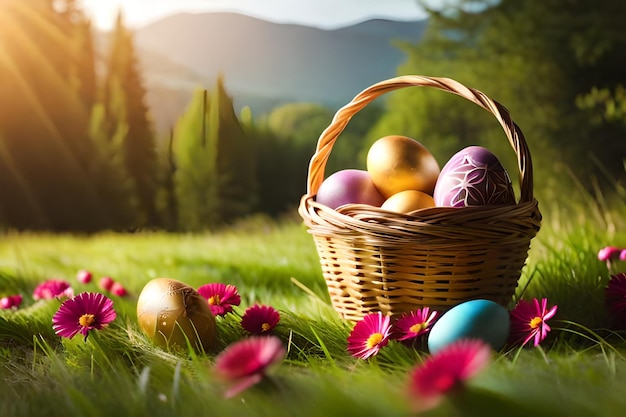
column 342, row 117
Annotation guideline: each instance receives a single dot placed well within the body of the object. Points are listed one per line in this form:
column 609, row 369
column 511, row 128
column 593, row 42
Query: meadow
column 578, row 371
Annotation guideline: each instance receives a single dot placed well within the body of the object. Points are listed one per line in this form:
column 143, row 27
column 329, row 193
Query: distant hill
column 265, row 63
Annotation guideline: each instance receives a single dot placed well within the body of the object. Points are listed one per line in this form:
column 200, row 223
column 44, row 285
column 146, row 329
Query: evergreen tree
column 45, row 149
column 195, row 175
column 166, row 195
column 234, row 154
column 111, row 180
column 85, row 77
column 215, row 177
column 126, row 111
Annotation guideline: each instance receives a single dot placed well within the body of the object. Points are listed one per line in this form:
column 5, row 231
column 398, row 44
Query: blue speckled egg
column 476, row 319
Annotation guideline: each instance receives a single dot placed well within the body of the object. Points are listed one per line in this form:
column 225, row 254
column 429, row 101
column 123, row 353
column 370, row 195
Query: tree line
column 78, row 150
column 559, row 66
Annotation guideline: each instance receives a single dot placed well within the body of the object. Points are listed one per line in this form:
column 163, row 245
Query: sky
column 320, row 13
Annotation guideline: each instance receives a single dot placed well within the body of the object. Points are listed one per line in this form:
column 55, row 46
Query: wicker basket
column 376, row 260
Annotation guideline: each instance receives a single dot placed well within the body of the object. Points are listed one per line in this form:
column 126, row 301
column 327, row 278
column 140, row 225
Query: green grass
column 578, row 371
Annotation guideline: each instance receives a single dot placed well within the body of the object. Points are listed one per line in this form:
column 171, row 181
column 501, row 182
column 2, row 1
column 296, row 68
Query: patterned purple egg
column 473, row 177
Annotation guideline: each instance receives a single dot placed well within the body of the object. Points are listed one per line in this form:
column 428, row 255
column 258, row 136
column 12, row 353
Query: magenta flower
column 221, row 297
column 613, row 257
column 11, row 301
column 53, row 288
column 260, row 319
column 369, row 335
column 87, row 311
column 246, row 362
column 528, row 321
column 615, row 294
column 118, row 289
column 609, row 253
column 83, row 276
column 5, row 303
column 413, row 324
column 106, row 283
column 447, row 370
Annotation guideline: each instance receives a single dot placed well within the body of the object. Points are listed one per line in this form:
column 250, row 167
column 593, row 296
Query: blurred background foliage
column 78, row 150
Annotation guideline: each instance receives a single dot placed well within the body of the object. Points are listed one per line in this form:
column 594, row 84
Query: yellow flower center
column 86, row 320
column 534, row 323
column 417, row 327
column 265, row 327
column 214, row 300
column 374, row 340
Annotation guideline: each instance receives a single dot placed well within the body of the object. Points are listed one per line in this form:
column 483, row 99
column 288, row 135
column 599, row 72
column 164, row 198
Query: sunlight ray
column 10, row 31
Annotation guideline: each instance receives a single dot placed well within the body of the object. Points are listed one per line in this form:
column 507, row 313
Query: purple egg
column 473, row 177
column 349, row 186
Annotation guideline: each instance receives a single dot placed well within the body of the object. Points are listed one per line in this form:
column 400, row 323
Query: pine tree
column 123, row 96
column 235, row 159
column 166, row 196
column 195, row 176
column 43, row 123
column 112, row 182
column 85, row 67
column 215, row 176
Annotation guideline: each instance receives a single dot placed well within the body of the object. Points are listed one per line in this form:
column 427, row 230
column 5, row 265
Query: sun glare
column 135, row 12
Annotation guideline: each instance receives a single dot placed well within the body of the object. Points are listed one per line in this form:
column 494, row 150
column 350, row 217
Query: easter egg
column 349, row 186
column 475, row 319
column 407, row 201
column 397, row 163
column 173, row 314
column 473, row 177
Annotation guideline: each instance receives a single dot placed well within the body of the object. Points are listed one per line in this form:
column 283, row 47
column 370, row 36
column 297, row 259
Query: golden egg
column 398, row 163
column 173, row 314
column 407, row 201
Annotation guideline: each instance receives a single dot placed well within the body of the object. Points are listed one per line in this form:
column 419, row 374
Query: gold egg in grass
column 397, row 163
column 407, row 201
column 173, row 314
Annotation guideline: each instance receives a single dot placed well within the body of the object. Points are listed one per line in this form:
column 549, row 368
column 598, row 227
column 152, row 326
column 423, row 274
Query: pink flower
column 106, row 283
column 6, row 303
column 118, row 289
column 10, row 301
column 260, row 319
column 246, row 362
column 53, row 288
column 84, row 276
column 609, row 253
column 16, row 300
column 369, row 335
column 447, row 370
column 83, row 313
column 414, row 324
column 615, row 294
column 221, row 297
column 528, row 321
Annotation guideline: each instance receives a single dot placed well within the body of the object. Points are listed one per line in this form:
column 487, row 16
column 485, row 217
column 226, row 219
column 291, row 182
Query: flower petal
column 66, row 322
column 372, row 325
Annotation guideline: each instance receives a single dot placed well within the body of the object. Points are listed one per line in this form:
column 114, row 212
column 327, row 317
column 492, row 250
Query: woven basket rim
column 327, row 139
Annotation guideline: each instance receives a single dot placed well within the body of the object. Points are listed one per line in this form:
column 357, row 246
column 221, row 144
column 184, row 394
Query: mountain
column 265, row 63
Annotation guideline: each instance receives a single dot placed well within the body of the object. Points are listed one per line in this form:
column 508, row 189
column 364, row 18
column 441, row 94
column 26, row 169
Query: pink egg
column 349, row 186
column 473, row 177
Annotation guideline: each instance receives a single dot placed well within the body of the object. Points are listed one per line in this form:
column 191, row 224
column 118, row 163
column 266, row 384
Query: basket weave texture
column 376, row 260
